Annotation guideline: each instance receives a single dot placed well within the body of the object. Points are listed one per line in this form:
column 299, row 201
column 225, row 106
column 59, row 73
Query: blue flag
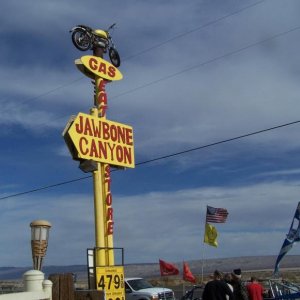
column 292, row 237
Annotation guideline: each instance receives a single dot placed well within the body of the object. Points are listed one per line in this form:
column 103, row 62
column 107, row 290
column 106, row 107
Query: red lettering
column 83, row 142
column 112, row 71
column 119, row 153
column 101, row 85
column 127, row 155
column 108, row 199
column 102, row 98
column 102, row 150
column 110, row 228
column 102, row 110
column 109, row 214
column 102, row 68
column 87, row 128
column 111, row 148
column 93, row 149
column 113, row 133
column 105, row 130
column 79, row 127
column 96, row 129
column 93, row 63
column 129, row 140
column 107, row 171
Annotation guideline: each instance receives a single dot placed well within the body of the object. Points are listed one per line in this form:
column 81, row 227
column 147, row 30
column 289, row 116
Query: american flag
column 216, row 215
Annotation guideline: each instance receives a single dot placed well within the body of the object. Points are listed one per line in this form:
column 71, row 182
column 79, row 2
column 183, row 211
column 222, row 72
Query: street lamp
column 39, row 241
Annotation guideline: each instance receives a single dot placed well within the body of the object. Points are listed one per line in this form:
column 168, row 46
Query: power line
column 214, row 59
column 228, row 54
column 158, row 158
column 194, row 30
column 149, row 49
column 50, row 91
column 45, row 187
column 217, row 143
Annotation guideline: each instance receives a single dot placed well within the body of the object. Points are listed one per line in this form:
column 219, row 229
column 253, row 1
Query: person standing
column 228, row 280
column 239, row 289
column 255, row 290
column 217, row 289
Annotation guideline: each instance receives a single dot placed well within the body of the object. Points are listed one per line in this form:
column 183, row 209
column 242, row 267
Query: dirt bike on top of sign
column 85, row 38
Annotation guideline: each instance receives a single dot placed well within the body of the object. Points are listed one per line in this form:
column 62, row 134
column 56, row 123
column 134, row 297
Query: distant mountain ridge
column 148, row 270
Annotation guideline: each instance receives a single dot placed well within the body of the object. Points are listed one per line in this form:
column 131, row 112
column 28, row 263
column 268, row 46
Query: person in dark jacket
column 217, row 289
column 239, row 289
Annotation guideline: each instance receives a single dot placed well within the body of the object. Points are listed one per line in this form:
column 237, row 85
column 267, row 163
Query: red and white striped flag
column 216, row 215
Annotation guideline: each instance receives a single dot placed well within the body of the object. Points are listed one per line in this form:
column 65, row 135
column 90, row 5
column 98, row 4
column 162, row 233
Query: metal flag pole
column 203, row 247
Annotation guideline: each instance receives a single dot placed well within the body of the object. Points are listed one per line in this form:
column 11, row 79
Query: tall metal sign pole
column 97, row 144
column 100, row 207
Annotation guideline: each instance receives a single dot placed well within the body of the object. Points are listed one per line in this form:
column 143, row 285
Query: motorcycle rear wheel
column 81, row 40
column 114, row 57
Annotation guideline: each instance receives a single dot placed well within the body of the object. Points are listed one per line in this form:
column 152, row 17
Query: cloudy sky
column 196, row 73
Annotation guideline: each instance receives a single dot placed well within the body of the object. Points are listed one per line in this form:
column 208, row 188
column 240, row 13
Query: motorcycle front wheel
column 114, row 57
column 81, row 39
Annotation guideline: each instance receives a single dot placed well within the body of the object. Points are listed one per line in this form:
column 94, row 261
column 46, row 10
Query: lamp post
column 39, row 241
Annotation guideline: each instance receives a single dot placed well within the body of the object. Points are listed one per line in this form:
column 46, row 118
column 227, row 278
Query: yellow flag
column 211, row 235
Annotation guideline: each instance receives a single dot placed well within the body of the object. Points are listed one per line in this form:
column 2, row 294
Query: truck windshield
column 139, row 284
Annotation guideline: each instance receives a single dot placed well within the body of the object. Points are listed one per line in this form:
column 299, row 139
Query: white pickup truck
column 141, row 289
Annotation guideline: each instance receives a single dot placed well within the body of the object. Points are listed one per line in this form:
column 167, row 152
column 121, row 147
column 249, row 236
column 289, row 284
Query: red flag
column 187, row 274
column 167, row 269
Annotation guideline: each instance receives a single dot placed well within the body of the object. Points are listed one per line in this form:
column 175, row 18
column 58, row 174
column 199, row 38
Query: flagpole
column 183, row 282
column 202, row 267
column 213, row 215
column 291, row 237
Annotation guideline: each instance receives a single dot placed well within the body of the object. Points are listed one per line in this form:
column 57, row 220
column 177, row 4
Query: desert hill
column 151, row 270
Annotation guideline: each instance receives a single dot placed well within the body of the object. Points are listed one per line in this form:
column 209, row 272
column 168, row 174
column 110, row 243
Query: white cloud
column 171, row 224
column 197, row 89
column 281, row 172
column 157, row 224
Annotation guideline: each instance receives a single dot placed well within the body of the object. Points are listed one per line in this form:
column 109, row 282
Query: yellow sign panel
column 100, row 67
column 102, row 140
column 111, row 280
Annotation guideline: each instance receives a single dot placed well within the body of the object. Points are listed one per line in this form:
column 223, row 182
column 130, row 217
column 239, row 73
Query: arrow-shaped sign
column 98, row 139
